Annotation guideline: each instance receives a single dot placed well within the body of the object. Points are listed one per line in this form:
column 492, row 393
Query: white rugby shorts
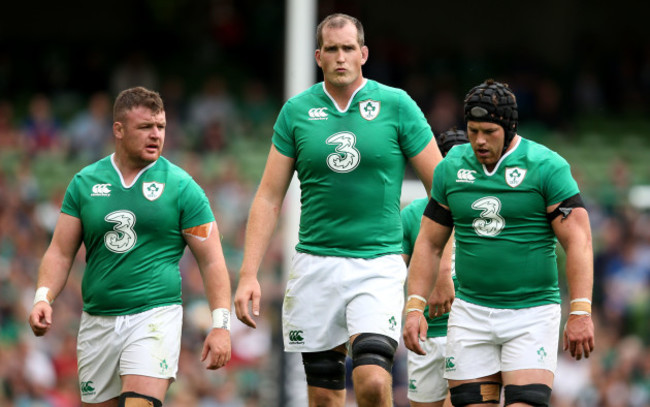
column 482, row 341
column 426, row 383
column 330, row 299
column 145, row 344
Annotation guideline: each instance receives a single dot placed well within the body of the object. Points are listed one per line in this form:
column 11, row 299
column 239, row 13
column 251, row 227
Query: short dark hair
column 134, row 97
column 339, row 20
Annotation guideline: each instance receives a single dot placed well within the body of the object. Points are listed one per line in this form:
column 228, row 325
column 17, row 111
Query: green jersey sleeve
column 70, row 204
column 559, row 183
column 415, row 132
column 282, row 134
column 195, row 206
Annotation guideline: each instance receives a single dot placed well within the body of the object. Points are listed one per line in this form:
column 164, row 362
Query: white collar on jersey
column 365, row 80
column 136, row 177
column 503, row 157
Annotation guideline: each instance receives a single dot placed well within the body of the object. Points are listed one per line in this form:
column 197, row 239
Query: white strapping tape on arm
column 41, row 295
column 221, row 318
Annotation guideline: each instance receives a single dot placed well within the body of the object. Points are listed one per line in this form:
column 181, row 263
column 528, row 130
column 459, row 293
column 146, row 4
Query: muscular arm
column 574, row 234
column 423, row 272
column 55, row 268
column 209, row 256
column 444, row 273
column 262, row 219
column 427, row 255
column 212, row 265
column 425, row 162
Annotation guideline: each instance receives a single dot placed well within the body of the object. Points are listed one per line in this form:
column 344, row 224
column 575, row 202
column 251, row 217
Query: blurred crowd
column 219, row 131
column 42, row 372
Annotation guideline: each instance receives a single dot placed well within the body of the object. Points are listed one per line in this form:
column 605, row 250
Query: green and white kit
column 133, row 234
column 505, row 246
column 351, row 164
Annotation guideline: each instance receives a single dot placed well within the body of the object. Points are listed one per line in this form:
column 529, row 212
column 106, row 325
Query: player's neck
column 513, row 144
column 342, row 94
column 129, row 168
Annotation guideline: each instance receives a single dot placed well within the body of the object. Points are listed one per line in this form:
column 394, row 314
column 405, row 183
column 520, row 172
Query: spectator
column 41, row 130
column 91, row 130
column 212, row 111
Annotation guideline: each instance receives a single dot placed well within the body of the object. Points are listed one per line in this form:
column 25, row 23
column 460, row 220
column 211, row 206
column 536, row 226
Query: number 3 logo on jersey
column 490, row 223
column 347, row 157
column 122, row 238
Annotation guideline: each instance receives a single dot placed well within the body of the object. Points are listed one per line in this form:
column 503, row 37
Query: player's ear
column 364, row 54
column 317, row 56
column 118, row 129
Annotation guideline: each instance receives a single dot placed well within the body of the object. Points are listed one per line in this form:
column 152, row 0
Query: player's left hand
column 578, row 337
column 216, row 349
column 441, row 297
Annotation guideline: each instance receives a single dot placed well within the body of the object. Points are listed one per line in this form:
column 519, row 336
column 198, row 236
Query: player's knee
column 133, row 399
column 374, row 349
column 325, row 369
column 536, row 394
column 475, row 393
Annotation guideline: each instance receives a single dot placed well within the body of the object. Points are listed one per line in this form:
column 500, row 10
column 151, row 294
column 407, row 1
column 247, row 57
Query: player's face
column 341, row 57
column 142, row 134
column 487, row 141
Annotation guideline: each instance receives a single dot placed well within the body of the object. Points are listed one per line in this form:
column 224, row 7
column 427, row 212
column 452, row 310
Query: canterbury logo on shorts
column 87, row 388
column 295, row 337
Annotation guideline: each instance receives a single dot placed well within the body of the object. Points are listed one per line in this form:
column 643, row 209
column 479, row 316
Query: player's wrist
column 580, row 313
column 415, row 303
column 248, row 272
column 42, row 295
column 580, row 306
column 221, row 318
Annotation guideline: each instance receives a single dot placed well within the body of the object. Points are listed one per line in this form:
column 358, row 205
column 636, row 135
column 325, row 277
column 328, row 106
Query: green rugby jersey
column 351, row 165
column 505, row 247
column 133, row 235
column 411, row 218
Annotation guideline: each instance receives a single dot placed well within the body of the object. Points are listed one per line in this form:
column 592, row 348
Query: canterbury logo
column 87, row 387
column 296, row 337
column 101, row 190
column 449, row 363
column 318, row 113
column 465, row 176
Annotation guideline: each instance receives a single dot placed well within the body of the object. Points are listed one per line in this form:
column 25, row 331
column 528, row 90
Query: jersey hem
column 130, row 311
column 510, row 305
column 346, row 254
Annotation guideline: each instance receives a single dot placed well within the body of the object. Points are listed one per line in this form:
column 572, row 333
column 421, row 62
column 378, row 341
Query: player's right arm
column 54, row 270
column 262, row 219
column 423, row 272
